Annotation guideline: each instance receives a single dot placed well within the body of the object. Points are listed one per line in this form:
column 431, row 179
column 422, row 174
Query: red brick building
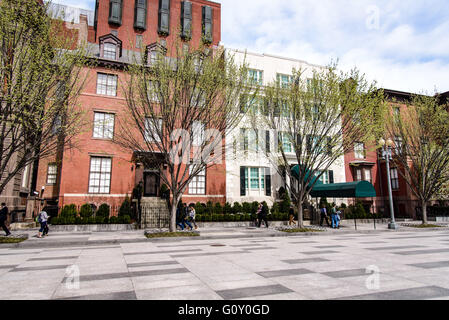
column 98, row 171
column 365, row 163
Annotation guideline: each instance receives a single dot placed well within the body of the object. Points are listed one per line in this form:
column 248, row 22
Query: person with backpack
column 186, row 215
column 263, row 215
column 42, row 219
column 323, row 213
column 192, row 214
column 334, row 216
column 3, row 218
column 180, row 217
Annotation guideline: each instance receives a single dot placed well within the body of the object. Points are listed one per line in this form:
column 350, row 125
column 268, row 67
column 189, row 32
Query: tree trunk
column 173, row 207
column 424, row 211
column 300, row 215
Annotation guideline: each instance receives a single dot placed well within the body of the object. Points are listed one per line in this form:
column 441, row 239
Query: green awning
column 360, row 189
column 295, row 173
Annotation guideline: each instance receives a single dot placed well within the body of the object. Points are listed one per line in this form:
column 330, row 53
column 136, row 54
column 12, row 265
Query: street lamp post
column 387, row 155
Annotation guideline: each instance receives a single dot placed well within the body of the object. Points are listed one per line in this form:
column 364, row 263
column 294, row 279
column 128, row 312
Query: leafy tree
column 317, row 121
column 421, row 146
column 125, row 208
column 103, row 210
column 40, row 81
column 170, row 104
column 86, row 211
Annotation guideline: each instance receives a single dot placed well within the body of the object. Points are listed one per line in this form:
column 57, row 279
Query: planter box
column 93, row 227
column 237, row 224
column 378, row 221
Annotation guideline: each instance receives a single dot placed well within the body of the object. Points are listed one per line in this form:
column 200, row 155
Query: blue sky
column 403, row 45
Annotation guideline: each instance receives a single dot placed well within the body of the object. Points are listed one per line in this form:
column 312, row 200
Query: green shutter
column 115, row 12
column 242, row 181
column 207, row 24
column 186, row 20
column 140, row 14
column 164, row 17
column 267, row 182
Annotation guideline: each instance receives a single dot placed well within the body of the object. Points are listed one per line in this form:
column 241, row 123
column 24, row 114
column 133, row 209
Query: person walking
column 186, row 215
column 263, row 215
column 334, row 216
column 180, row 217
column 323, row 212
column 291, row 215
column 259, row 210
column 4, row 218
column 43, row 218
column 192, row 214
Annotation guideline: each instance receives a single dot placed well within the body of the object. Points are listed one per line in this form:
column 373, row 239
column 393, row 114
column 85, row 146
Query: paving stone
column 319, row 252
column 118, row 275
column 283, row 273
column 206, row 254
column 429, row 265
column 393, row 248
column 42, row 268
column 404, row 294
column 156, row 252
column 252, row 292
column 346, row 273
column 298, row 261
column 417, row 252
column 150, row 264
column 53, row 258
column 128, row 295
column 10, row 266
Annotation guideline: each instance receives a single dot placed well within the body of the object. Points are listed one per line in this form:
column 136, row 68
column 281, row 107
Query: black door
column 151, row 184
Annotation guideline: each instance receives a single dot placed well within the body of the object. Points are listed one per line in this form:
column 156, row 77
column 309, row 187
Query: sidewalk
column 61, row 239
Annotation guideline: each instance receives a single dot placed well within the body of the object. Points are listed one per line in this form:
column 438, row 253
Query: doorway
column 151, row 184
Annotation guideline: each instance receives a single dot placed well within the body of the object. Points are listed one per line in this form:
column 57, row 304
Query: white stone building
column 251, row 175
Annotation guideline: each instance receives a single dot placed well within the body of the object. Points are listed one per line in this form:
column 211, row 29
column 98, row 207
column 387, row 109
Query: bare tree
column 40, row 81
column 421, row 142
column 180, row 104
column 316, row 121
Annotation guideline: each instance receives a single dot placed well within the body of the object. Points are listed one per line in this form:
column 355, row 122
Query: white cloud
column 409, row 51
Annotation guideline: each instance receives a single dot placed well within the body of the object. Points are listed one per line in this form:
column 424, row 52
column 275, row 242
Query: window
column 25, row 175
column 252, row 105
column 285, row 139
column 255, row 76
column 151, row 133
column 396, row 113
column 198, row 183
column 368, row 175
column 186, row 20
column 103, row 125
column 56, row 127
column 359, row 150
column 398, row 144
column 109, row 51
column 115, row 12
column 207, row 24
column 139, row 41
column 358, row 174
column 284, row 80
column 164, row 17
column 315, row 144
column 107, row 84
column 197, row 133
column 140, row 14
column 153, row 95
column 100, row 175
column 394, row 178
column 244, row 140
column 255, row 178
column 52, row 173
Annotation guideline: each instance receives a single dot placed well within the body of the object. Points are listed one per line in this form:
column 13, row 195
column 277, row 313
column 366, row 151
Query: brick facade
column 72, row 184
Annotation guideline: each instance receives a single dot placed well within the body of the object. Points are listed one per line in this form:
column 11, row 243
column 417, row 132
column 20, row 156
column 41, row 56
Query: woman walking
column 192, row 214
column 43, row 218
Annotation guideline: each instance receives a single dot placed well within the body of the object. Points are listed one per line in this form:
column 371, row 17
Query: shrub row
column 91, row 220
column 238, row 217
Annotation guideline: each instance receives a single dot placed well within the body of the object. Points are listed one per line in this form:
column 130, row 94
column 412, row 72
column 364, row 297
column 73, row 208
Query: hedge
column 91, row 220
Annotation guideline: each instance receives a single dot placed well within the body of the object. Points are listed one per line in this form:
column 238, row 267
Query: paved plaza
column 242, row 264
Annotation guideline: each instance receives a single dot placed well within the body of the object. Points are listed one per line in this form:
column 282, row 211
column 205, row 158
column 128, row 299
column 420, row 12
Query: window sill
column 103, row 139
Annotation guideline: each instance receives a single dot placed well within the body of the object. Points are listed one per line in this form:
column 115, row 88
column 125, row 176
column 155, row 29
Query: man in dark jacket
column 263, row 215
column 3, row 218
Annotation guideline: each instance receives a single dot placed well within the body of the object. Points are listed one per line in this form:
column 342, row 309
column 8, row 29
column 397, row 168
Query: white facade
column 253, row 160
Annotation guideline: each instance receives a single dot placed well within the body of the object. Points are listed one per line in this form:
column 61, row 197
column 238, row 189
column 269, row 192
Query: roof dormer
column 154, row 51
column 110, row 47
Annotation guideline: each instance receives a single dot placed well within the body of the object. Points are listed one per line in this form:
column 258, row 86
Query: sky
column 402, row 45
